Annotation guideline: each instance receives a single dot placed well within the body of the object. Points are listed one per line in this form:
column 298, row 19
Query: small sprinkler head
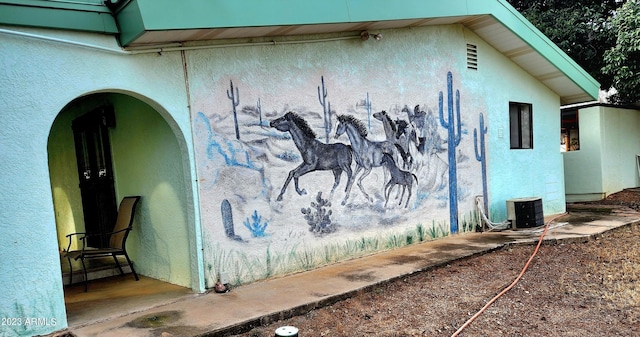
column 287, row 331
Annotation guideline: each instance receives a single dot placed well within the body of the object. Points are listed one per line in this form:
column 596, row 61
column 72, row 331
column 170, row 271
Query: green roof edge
column 519, row 25
column 58, row 15
column 136, row 17
column 153, row 15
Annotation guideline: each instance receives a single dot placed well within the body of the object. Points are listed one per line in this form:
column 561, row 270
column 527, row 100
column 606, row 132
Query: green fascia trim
column 155, row 15
column 519, row 25
column 88, row 17
column 188, row 14
column 131, row 22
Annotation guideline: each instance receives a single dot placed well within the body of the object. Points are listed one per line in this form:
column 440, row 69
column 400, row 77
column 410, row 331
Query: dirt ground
column 588, row 288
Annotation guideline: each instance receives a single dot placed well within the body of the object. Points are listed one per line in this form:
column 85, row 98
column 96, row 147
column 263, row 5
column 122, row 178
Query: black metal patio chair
column 117, row 241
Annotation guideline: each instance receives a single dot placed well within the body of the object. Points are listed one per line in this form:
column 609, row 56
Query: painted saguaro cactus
column 259, row 108
column 482, row 158
column 235, row 100
column 453, row 140
column 367, row 106
column 326, row 107
column 227, row 221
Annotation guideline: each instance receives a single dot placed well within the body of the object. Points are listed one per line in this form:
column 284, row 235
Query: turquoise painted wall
column 512, row 174
column 606, row 161
column 583, row 168
column 40, row 79
column 620, row 145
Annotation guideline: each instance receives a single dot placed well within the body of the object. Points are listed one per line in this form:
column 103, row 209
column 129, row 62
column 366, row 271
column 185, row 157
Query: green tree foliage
column 579, row 27
column 623, row 59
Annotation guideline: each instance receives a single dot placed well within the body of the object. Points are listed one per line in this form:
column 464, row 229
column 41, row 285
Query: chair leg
column 117, row 264
column 131, row 266
column 86, row 280
column 70, row 271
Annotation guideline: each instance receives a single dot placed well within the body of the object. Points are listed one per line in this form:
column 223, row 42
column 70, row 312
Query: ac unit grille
column 525, row 212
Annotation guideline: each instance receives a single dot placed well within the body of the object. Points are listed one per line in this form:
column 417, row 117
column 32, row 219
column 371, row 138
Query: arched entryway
column 146, row 159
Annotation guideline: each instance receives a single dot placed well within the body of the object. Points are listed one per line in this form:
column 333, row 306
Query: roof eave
column 217, row 19
column 58, row 15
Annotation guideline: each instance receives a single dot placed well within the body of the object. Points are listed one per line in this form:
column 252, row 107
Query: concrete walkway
column 267, row 301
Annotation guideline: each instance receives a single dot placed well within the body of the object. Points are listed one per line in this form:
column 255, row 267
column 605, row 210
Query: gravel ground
column 589, row 288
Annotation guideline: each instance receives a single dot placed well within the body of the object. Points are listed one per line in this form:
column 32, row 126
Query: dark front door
column 93, row 153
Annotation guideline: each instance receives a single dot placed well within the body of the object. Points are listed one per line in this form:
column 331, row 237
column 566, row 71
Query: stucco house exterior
column 266, row 137
column 601, row 156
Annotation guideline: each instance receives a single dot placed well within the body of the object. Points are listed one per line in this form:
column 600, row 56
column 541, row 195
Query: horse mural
column 315, row 154
column 399, row 177
column 368, row 154
column 400, row 133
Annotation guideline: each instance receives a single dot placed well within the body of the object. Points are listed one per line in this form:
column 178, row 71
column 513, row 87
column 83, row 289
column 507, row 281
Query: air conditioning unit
column 525, row 212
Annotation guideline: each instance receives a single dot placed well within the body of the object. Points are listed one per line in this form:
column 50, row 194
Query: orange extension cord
column 473, row 318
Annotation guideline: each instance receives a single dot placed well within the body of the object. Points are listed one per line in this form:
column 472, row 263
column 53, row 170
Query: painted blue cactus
column 482, row 158
column 235, row 100
column 255, row 225
column 453, row 140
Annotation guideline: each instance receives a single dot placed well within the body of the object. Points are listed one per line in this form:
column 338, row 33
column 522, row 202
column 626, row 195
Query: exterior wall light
column 364, row 35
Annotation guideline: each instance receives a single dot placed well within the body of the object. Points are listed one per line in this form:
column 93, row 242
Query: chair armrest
column 103, row 234
column 122, row 230
column 106, row 234
column 70, row 236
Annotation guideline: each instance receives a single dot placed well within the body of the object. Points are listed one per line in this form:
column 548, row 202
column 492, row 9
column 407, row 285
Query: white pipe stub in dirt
column 287, row 331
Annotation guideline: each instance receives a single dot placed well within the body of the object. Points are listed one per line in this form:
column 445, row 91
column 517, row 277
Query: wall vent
column 472, row 56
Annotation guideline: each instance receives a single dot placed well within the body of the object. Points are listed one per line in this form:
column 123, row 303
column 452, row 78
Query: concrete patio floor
column 119, row 306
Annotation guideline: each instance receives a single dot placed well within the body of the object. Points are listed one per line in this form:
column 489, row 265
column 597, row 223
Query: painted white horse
column 400, row 133
column 368, row 154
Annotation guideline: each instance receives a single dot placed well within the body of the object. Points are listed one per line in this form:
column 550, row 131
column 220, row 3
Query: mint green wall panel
column 512, row 174
column 583, row 168
column 146, row 158
column 606, row 161
column 31, row 266
column 41, row 80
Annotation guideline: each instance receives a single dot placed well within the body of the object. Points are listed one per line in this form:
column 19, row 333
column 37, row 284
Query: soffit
column 144, row 23
column 485, row 26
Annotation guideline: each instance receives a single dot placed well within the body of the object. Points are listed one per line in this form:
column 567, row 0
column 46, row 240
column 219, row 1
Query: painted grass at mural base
column 243, row 268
